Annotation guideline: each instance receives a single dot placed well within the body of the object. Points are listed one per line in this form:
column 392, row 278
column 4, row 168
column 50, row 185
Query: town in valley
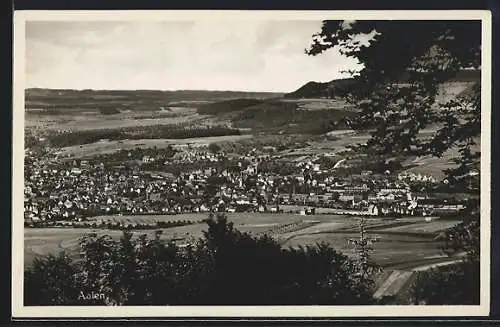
column 290, row 165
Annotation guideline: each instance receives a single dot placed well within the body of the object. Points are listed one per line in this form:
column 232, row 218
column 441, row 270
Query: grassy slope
column 274, row 115
column 227, row 106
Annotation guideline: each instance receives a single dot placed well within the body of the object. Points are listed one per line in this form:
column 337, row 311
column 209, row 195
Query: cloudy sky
column 249, row 55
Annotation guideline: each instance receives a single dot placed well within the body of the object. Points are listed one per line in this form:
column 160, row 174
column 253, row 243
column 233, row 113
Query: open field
column 83, row 109
column 425, row 227
column 407, row 247
column 44, row 241
column 390, row 248
column 403, row 246
column 434, row 166
column 342, row 139
column 318, row 104
column 91, row 120
column 103, row 147
column 252, row 117
column 143, row 100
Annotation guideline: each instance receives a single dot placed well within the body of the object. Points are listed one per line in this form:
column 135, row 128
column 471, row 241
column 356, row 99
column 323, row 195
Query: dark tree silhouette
column 225, row 267
column 396, row 91
column 214, row 148
column 404, row 64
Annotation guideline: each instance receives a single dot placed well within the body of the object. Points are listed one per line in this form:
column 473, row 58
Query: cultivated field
column 93, row 120
column 400, row 243
column 105, row 146
column 434, row 166
column 424, row 227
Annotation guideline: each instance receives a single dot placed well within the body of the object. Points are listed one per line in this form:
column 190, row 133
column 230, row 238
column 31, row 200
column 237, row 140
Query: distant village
column 59, row 188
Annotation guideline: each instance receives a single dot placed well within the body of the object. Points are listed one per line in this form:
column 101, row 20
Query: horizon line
column 209, row 90
column 154, row 90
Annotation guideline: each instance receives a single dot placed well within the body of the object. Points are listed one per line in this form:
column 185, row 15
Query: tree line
column 135, row 133
column 423, row 54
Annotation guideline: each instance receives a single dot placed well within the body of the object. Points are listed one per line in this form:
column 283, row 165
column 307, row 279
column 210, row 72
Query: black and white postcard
column 251, row 164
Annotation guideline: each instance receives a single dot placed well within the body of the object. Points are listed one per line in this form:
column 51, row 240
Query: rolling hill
column 228, row 106
column 276, row 115
column 334, row 88
column 56, row 99
column 461, row 82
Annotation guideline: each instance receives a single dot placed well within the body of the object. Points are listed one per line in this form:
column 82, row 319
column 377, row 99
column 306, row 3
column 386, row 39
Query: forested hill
column 338, row 87
column 334, row 88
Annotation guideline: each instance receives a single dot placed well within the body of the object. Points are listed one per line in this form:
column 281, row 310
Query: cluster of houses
column 196, row 155
column 416, row 177
column 75, row 190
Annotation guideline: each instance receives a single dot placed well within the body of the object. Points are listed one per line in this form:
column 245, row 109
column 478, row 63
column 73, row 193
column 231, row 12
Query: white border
column 20, row 311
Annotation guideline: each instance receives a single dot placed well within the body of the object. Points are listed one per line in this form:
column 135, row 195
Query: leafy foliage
column 51, row 281
column 224, row 267
column 403, row 64
column 214, row 147
column 364, row 247
column 459, row 283
column 455, row 285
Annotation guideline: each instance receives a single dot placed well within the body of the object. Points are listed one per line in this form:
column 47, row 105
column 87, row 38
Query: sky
column 247, row 55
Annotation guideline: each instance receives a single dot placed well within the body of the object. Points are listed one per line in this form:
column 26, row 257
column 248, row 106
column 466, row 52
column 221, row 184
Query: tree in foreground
column 457, row 284
column 397, row 90
column 398, row 94
column 364, row 247
column 224, row 267
column 51, row 281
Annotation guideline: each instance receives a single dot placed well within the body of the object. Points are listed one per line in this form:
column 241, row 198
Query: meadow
column 105, row 146
column 87, row 120
column 399, row 243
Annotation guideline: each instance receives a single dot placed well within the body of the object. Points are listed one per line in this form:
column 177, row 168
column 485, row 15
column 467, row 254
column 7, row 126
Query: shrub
column 51, row 281
column 459, row 283
column 224, row 267
column 453, row 285
column 109, row 111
